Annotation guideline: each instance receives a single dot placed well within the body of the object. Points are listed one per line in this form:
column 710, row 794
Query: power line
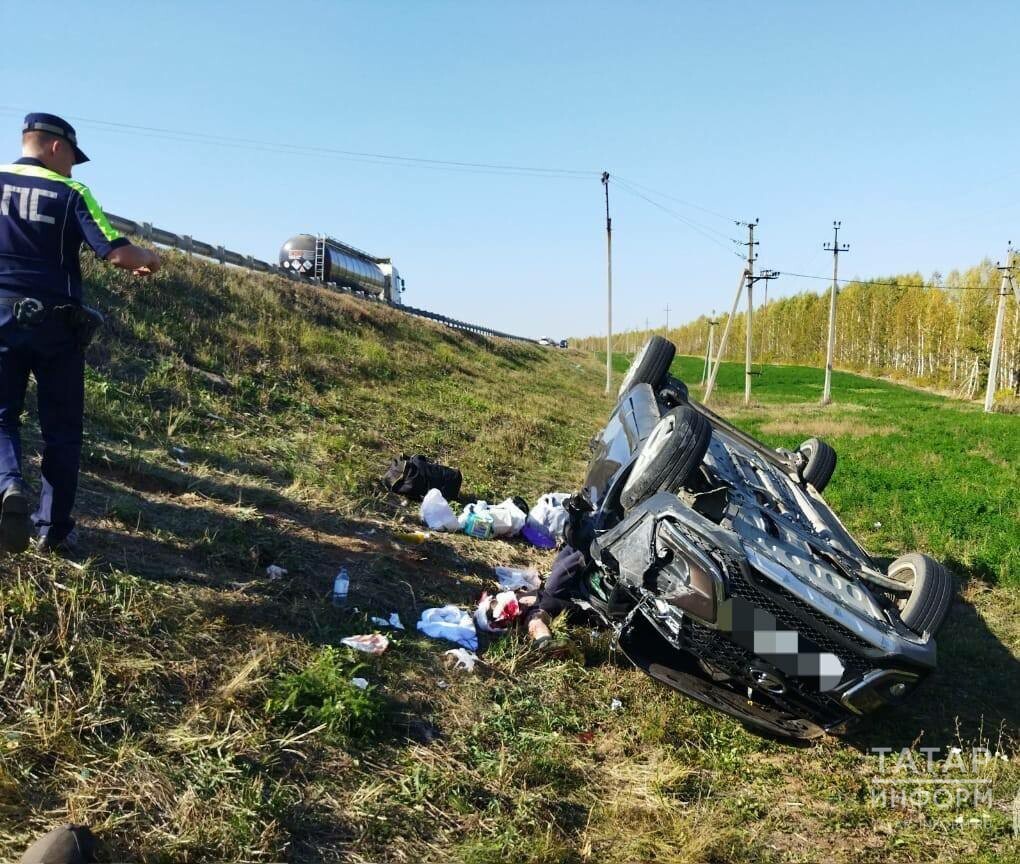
column 686, row 219
column 888, row 284
column 703, row 230
column 675, row 198
column 307, row 149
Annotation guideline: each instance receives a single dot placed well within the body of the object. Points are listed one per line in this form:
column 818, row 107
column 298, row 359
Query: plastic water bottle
column 341, row 584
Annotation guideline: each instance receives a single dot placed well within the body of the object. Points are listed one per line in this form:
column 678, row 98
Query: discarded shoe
column 15, row 523
column 68, row 844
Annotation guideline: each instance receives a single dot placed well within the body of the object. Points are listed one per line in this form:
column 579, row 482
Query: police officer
column 45, row 216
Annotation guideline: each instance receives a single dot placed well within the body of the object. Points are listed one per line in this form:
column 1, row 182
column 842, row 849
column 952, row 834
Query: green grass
column 937, row 474
column 189, row 708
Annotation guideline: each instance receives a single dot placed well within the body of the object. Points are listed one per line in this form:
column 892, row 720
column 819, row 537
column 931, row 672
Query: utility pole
column 1000, row 318
column 609, row 288
column 725, row 338
column 835, row 248
column 667, row 320
column 708, row 350
column 751, row 256
column 765, row 276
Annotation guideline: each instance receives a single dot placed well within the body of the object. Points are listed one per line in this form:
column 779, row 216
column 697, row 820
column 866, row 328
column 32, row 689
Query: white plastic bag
column 512, row 578
column 508, row 518
column 550, row 514
column 437, row 513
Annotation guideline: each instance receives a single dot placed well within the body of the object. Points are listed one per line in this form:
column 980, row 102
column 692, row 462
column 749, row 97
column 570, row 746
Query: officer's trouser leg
column 14, row 369
column 61, row 384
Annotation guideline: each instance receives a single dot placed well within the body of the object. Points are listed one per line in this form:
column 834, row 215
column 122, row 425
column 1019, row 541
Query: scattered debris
column 477, row 523
column 878, row 525
column 450, row 623
column 414, row 476
column 374, row 643
column 512, row 578
column 360, row 683
column 484, row 520
column 341, row 585
column 616, row 705
column 393, row 621
column 275, row 572
column 461, row 658
column 182, row 463
column 550, row 515
column 441, row 684
column 413, row 536
column 537, row 536
column 437, row 513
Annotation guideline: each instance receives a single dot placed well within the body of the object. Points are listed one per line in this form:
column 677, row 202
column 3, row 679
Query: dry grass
column 136, row 688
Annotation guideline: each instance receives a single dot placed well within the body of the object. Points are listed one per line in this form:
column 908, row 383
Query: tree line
column 935, row 332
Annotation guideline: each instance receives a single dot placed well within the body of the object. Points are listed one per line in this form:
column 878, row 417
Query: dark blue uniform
column 44, row 219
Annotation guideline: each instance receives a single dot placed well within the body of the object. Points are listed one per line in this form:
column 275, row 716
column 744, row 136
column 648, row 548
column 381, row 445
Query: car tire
column 650, row 365
column 819, row 463
column 668, row 457
column 673, row 392
column 930, row 587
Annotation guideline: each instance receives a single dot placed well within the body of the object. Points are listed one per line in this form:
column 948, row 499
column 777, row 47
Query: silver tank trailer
column 341, row 265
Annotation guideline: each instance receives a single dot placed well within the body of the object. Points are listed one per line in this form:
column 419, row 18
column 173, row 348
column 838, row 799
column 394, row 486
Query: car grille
column 718, row 649
column 806, row 621
column 715, row 648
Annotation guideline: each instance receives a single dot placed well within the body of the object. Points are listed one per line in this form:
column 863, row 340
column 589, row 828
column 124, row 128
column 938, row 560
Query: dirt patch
column 827, row 428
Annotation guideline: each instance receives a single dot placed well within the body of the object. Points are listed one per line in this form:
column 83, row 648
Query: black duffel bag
column 413, row 476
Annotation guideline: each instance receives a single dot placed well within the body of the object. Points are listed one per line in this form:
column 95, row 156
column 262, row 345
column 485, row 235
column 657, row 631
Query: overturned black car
column 726, row 576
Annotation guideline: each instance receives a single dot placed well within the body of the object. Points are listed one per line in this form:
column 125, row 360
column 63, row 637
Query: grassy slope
column 169, row 694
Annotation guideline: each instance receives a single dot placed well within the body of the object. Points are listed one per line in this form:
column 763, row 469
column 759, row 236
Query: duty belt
column 84, row 321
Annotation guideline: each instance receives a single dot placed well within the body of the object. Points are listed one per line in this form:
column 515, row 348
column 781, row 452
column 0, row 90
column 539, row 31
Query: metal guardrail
column 191, row 246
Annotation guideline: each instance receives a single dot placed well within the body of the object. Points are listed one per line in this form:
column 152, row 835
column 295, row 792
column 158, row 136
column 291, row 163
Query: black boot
column 15, row 522
column 69, row 844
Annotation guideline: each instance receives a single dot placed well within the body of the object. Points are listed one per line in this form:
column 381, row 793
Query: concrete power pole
column 751, row 256
column 708, row 350
column 666, row 334
column 835, row 248
column 609, row 289
column 1000, row 318
column 725, row 338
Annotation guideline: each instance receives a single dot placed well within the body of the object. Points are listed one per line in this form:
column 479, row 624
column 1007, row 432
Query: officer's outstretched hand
column 137, row 259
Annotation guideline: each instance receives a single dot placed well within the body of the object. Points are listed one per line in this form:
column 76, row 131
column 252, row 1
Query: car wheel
column 819, row 463
column 668, row 456
column 650, row 364
column 928, row 591
column 673, row 392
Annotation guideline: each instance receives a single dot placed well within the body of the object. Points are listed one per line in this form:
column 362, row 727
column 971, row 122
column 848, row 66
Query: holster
column 83, row 321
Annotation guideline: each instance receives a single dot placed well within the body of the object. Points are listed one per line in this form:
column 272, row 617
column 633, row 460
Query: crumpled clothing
column 494, row 613
column 563, row 585
column 507, row 518
column 375, row 643
column 550, row 514
column 437, row 513
column 450, row 623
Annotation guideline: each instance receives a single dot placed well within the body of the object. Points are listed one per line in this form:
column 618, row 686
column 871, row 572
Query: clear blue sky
column 899, row 118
